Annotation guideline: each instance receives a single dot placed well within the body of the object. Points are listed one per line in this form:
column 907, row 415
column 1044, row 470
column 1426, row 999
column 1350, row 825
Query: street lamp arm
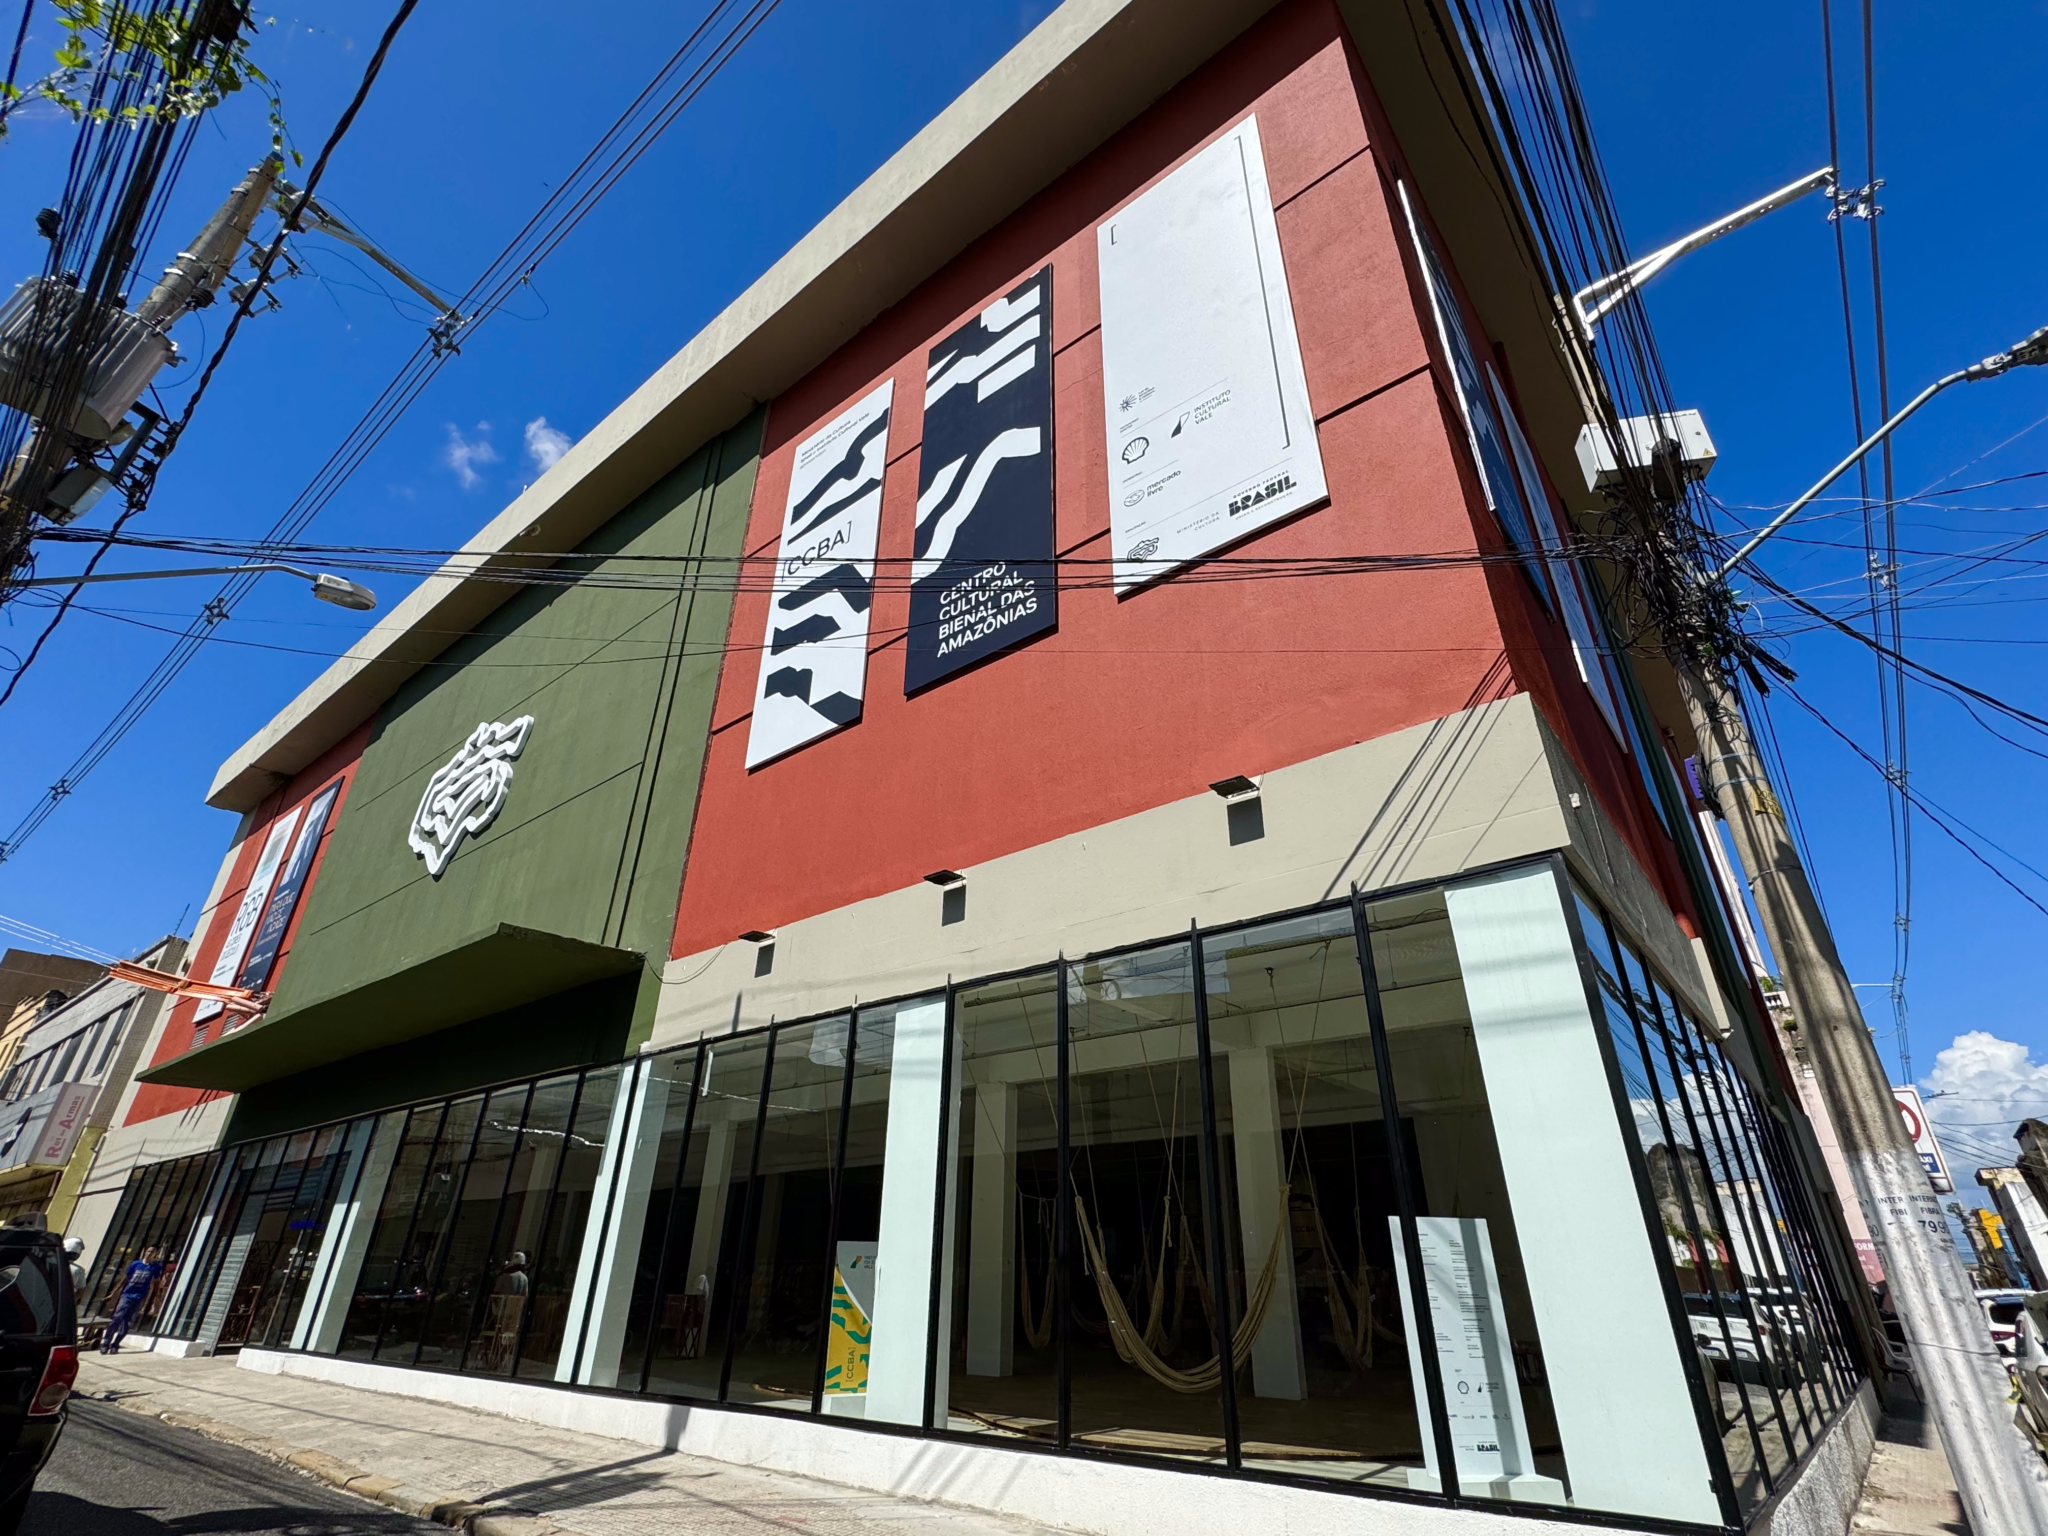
column 2033, row 350
column 329, row 588
column 1592, row 302
column 196, row 570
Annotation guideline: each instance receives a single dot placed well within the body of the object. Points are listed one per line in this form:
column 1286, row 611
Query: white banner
column 1204, row 400
column 814, row 652
column 1475, row 1362
column 236, row 945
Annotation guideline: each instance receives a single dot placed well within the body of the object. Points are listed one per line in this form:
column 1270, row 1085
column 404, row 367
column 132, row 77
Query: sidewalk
column 1909, row 1490
column 501, row 1477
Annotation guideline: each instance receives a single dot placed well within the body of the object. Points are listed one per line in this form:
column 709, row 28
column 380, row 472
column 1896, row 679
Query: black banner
column 983, row 572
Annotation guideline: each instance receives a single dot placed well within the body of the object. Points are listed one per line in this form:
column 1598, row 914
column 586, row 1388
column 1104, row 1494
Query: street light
column 338, row 590
column 2028, row 353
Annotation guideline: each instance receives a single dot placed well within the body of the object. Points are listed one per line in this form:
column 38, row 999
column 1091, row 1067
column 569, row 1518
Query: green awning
column 500, row 968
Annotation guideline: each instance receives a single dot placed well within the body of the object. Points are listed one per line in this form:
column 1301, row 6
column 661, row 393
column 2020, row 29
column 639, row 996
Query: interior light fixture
column 1237, row 787
column 945, row 877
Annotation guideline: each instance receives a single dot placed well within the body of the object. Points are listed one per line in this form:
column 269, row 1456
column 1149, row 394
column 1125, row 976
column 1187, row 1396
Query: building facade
column 67, row 1075
column 1085, row 884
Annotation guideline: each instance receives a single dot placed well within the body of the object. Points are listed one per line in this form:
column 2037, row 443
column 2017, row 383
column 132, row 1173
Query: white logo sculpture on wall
column 466, row 793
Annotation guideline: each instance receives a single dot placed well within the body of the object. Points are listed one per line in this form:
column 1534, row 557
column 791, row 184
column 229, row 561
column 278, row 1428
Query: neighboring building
column 2032, row 1135
column 32, row 984
column 2023, row 1221
column 977, row 900
column 69, row 1069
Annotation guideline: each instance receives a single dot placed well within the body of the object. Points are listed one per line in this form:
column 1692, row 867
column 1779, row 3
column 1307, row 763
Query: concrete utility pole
column 2002, row 1479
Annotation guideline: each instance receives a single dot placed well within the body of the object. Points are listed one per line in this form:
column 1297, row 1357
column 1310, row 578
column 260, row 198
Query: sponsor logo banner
column 982, row 574
column 814, row 654
column 1205, row 403
column 285, row 899
column 243, row 929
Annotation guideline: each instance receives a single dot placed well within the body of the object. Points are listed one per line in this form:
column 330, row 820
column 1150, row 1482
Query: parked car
column 38, row 1359
column 2002, row 1310
column 2029, row 1367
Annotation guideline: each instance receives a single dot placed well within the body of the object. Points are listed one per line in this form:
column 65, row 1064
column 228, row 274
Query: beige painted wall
column 1475, row 788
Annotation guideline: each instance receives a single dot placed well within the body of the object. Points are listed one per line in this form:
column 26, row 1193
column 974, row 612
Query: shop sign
column 466, row 793
column 982, row 573
column 814, row 651
column 58, row 1133
column 1205, row 404
column 1925, row 1147
column 236, row 945
column 284, row 901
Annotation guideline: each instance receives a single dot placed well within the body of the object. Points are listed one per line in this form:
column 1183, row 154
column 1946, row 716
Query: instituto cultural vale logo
column 466, row 793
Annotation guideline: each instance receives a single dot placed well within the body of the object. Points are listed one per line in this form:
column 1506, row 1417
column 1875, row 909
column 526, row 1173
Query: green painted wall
column 620, row 680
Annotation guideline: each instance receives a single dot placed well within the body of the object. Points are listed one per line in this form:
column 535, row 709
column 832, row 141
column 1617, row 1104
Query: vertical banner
column 982, row 573
column 814, row 654
column 243, row 929
column 1475, row 1361
column 1205, row 403
column 284, row 901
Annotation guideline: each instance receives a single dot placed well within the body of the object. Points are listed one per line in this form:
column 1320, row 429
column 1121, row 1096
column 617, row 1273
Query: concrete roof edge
column 1040, row 108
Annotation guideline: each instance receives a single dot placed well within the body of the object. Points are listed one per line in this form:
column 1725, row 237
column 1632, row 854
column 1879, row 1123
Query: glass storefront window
column 1483, row 1323
column 556, row 1253
column 509, row 1308
column 1303, row 1140
column 1003, row 1357
column 380, row 1274
column 1458, row 1213
column 1145, row 1315
column 711, row 1195
column 464, row 1294
column 780, row 1309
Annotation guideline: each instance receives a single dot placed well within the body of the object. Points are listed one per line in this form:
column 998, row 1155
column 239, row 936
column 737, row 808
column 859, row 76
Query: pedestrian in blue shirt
column 136, row 1285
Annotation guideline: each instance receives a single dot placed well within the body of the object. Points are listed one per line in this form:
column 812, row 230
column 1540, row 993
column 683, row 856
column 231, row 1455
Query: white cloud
column 545, row 444
column 1986, row 1086
column 463, row 454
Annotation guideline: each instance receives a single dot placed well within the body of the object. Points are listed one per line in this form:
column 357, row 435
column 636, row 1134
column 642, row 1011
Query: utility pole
column 2002, row 1479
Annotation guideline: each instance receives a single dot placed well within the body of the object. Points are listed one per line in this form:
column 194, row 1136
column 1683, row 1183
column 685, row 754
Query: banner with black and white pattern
column 982, row 573
column 814, row 654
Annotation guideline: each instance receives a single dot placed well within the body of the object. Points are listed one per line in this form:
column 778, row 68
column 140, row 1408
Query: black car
column 38, row 1360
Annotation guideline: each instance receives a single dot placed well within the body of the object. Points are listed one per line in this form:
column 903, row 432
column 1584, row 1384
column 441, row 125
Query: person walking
column 135, row 1288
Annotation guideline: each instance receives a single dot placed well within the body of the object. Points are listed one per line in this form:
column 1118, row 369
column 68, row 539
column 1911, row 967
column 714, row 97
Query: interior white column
column 911, row 1246
column 1624, row 1412
column 992, row 1233
column 598, row 1233
column 709, row 1230
column 1255, row 1134
column 619, row 1258
column 350, row 1221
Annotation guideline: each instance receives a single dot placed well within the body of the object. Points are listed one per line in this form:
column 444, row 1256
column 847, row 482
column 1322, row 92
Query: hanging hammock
column 1037, row 1331
column 1130, row 1341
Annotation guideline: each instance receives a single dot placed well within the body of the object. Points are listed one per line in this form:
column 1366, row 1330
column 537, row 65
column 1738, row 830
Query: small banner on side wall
column 814, row 656
column 982, row 573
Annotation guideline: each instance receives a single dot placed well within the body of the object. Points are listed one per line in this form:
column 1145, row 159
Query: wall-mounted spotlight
column 764, row 954
column 952, row 895
column 1243, row 807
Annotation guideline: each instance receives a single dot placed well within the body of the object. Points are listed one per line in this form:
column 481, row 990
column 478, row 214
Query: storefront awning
column 500, row 968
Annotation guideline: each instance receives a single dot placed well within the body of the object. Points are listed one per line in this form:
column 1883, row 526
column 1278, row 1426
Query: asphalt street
column 121, row 1474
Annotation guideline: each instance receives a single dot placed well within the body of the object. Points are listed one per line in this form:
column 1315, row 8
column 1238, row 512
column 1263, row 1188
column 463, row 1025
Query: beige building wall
column 1477, row 788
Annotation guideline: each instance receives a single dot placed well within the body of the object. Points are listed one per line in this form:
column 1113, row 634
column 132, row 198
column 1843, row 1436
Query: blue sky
column 1699, row 108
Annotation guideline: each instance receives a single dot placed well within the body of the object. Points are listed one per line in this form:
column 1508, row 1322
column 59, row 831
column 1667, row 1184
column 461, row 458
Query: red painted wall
column 1134, row 703
column 154, row 1099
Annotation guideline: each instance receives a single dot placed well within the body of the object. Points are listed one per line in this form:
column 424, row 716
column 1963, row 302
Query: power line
column 688, row 71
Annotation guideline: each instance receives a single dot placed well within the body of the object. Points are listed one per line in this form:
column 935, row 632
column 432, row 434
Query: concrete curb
column 443, row 1509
